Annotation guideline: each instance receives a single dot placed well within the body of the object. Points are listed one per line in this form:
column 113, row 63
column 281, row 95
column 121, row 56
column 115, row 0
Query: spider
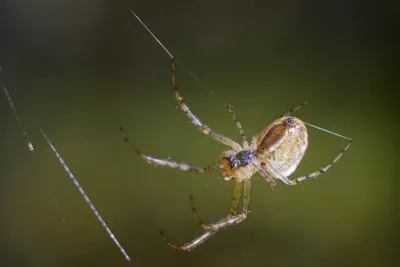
column 275, row 154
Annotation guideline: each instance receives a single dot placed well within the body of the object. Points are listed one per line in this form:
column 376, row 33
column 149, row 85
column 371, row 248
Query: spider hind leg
column 325, row 168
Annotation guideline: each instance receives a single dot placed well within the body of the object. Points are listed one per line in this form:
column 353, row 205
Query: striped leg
column 168, row 163
column 290, row 111
column 245, row 143
column 235, row 202
column 215, row 227
column 196, row 121
column 237, row 192
column 323, row 169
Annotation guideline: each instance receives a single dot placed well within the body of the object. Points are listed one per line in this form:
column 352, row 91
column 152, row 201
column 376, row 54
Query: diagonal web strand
column 87, row 200
column 17, row 117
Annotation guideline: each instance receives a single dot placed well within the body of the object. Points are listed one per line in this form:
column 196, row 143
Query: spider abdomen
column 283, row 144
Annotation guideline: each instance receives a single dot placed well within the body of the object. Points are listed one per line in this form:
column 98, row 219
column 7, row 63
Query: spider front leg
column 213, row 228
column 196, row 121
column 168, row 163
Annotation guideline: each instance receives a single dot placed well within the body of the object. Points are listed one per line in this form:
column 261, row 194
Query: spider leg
column 237, row 192
column 239, row 126
column 196, row 214
column 268, row 171
column 235, row 202
column 253, row 144
column 266, row 175
column 167, row 163
column 323, row 169
column 191, row 245
column 235, row 219
column 290, row 111
column 196, row 121
column 215, row 227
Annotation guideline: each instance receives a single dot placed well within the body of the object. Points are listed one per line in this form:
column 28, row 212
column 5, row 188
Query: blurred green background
column 79, row 70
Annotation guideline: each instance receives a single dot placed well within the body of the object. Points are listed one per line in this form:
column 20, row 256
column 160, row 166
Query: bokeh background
column 80, row 69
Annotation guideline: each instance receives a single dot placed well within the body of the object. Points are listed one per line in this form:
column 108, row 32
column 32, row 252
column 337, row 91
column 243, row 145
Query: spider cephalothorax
column 241, row 159
column 233, row 166
column 275, row 154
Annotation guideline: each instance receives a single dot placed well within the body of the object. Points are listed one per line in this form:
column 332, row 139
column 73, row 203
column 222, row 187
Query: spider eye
column 289, row 121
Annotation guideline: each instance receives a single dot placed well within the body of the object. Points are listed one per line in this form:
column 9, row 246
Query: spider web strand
column 87, row 200
column 16, row 115
column 172, row 57
column 327, row 131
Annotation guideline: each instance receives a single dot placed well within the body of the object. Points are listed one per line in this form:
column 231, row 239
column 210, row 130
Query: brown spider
column 275, row 154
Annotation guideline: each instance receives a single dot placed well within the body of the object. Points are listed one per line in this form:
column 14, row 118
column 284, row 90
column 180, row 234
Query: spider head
column 232, row 163
column 284, row 141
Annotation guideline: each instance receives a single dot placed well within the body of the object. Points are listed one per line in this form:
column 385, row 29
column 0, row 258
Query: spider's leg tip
column 192, row 205
column 164, row 237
